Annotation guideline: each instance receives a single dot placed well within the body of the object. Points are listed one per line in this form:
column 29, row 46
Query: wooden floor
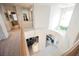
column 11, row 45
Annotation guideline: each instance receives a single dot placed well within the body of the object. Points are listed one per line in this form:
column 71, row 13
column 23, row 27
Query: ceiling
column 61, row 5
column 25, row 5
column 29, row 5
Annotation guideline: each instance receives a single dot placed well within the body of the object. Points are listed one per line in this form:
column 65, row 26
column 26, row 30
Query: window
column 60, row 18
column 64, row 19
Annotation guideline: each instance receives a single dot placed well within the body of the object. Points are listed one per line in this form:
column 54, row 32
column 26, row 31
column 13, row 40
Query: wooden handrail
column 23, row 45
column 73, row 51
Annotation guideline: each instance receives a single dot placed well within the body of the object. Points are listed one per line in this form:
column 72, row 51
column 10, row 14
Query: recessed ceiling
column 61, row 5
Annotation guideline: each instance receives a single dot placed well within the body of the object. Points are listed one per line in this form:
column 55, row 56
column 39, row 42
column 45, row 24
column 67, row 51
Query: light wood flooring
column 11, row 45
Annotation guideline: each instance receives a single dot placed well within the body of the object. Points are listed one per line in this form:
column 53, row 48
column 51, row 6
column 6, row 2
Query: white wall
column 54, row 17
column 7, row 23
column 41, row 15
column 73, row 29
column 2, row 24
